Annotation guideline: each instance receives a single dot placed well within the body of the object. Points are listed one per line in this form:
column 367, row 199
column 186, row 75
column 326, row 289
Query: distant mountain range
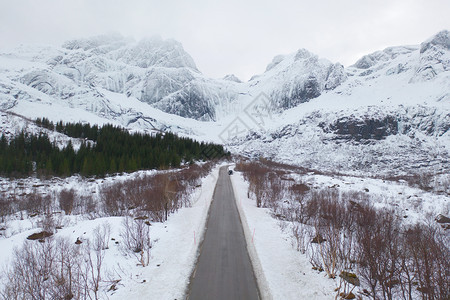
column 392, row 103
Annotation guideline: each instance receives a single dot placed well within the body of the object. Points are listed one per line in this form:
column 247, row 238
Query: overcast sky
column 232, row 36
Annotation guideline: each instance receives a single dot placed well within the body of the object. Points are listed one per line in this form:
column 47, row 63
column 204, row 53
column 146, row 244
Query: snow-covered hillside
column 154, row 71
column 390, row 116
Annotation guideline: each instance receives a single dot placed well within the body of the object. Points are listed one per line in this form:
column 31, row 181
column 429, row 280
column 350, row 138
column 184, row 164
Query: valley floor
column 282, row 271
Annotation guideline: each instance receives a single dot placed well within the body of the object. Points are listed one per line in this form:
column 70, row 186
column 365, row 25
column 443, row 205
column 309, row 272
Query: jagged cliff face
column 426, row 61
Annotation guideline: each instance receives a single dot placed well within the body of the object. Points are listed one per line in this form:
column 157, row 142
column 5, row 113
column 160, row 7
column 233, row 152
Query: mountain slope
column 158, row 72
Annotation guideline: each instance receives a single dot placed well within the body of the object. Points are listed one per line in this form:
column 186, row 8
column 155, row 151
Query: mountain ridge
column 114, row 80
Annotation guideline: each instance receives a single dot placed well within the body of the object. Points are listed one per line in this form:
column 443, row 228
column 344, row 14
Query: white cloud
column 233, row 36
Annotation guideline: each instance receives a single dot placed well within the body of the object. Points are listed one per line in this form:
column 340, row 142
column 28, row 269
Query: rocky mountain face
column 297, row 78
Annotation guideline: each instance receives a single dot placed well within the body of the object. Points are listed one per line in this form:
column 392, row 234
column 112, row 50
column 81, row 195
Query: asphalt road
column 224, row 270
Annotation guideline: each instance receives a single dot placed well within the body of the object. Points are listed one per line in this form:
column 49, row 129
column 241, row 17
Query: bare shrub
column 105, row 232
column 136, row 238
column 96, row 257
column 407, row 276
column 265, row 184
column 66, row 200
column 54, row 269
column 422, row 181
column 298, row 193
column 333, row 222
column 35, row 203
column 314, row 256
column 302, row 234
column 29, row 276
column 328, row 249
column 430, row 256
column 273, row 191
column 113, row 199
column 255, row 173
column 379, row 254
column 5, row 208
column 42, row 271
column 47, row 223
column 157, row 195
column 66, row 273
column 85, row 205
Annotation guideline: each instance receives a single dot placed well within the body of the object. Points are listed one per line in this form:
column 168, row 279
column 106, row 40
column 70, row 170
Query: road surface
column 224, row 270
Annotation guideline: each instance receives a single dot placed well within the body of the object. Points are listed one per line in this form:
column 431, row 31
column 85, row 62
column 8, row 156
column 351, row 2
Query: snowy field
column 173, row 252
column 283, row 272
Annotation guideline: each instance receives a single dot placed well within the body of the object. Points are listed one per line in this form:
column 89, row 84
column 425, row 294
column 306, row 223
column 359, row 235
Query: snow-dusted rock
column 434, row 57
column 232, row 77
column 296, row 78
column 156, row 71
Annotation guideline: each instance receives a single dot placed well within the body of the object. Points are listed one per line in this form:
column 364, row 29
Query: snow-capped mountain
column 297, row 78
column 391, row 108
column 390, row 116
column 155, row 71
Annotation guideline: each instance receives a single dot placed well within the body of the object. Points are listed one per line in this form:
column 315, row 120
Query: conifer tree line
column 104, row 150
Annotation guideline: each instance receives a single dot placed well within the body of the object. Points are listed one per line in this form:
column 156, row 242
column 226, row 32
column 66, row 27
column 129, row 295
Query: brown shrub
column 66, row 200
column 39, row 235
column 156, row 195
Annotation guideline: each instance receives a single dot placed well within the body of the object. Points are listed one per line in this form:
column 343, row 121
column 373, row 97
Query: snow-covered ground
column 285, row 273
column 282, row 272
column 409, row 203
column 173, row 253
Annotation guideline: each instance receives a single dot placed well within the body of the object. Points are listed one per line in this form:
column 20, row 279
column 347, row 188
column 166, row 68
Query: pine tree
column 112, row 166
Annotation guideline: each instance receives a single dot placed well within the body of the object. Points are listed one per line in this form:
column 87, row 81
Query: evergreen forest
column 104, row 150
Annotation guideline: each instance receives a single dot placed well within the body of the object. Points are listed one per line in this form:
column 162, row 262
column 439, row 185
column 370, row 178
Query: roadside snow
column 175, row 252
column 282, row 272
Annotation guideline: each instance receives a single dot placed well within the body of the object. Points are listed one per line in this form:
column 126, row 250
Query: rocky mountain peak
column 155, row 52
column 442, row 39
column 232, row 77
column 383, row 56
column 298, row 77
